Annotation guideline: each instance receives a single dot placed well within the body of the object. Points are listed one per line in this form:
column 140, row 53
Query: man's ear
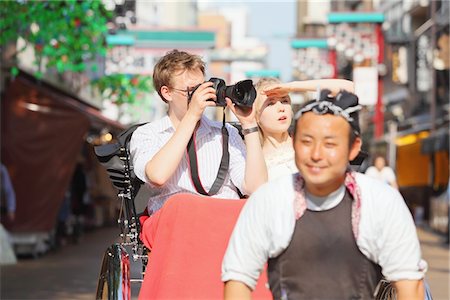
column 355, row 148
column 165, row 92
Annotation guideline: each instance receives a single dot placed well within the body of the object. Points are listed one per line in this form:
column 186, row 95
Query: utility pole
column 433, row 71
column 379, row 107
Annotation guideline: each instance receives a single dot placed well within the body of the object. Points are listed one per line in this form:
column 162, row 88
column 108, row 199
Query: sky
column 274, row 22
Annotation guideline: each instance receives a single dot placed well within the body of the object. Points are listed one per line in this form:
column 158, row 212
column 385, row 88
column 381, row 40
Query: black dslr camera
column 243, row 93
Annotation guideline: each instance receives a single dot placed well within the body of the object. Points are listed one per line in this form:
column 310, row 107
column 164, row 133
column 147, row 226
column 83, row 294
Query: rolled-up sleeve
column 144, row 144
column 400, row 256
column 392, row 237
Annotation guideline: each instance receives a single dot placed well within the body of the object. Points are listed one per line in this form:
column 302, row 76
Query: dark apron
column 322, row 260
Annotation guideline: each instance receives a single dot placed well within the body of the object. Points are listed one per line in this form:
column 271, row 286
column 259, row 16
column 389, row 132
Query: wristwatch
column 249, row 130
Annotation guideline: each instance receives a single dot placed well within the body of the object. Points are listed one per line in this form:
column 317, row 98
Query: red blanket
column 188, row 237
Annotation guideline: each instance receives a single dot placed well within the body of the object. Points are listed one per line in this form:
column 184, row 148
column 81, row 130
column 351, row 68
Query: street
column 436, row 253
column 72, row 271
column 299, row 80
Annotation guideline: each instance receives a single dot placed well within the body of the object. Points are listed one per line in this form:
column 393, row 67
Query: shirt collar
column 165, row 125
column 315, row 203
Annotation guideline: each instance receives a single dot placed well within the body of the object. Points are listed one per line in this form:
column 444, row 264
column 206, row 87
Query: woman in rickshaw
column 274, row 117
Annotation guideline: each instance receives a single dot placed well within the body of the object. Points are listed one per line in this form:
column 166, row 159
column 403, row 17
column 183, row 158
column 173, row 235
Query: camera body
column 243, row 93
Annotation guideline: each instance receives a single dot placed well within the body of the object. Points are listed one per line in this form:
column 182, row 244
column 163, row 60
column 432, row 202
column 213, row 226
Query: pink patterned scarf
column 351, row 185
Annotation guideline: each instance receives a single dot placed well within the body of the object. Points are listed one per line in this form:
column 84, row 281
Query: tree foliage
column 67, row 33
column 122, row 88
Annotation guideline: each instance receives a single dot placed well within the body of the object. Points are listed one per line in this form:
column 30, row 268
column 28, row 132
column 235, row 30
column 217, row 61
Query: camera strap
column 223, row 168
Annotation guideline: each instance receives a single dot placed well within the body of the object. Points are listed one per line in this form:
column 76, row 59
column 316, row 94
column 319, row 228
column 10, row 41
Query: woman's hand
column 279, row 90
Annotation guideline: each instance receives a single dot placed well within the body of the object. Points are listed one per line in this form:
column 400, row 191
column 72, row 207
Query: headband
column 345, row 104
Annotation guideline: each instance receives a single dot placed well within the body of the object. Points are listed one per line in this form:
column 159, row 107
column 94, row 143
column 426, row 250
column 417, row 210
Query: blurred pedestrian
column 8, row 196
column 8, row 209
column 328, row 233
column 62, row 224
column 78, row 194
column 447, row 238
column 381, row 171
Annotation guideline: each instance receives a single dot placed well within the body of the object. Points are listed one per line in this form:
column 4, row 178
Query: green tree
column 122, row 88
column 67, row 33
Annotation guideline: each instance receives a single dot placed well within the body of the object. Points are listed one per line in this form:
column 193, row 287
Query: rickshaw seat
column 189, row 236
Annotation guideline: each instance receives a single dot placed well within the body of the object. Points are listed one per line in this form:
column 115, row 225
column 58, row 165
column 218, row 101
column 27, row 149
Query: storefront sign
column 399, row 66
column 128, row 60
column 423, row 70
column 366, row 84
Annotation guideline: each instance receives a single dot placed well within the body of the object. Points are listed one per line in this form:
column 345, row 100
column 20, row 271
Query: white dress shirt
column 148, row 139
column 387, row 235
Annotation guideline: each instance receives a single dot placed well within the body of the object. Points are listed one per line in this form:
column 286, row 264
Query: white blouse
column 281, row 162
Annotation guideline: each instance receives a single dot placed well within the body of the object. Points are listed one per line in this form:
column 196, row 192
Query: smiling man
column 329, row 233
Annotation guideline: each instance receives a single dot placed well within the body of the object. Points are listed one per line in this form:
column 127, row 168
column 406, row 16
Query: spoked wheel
column 114, row 279
column 385, row 291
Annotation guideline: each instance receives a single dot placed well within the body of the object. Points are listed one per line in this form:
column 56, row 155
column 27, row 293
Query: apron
column 323, row 260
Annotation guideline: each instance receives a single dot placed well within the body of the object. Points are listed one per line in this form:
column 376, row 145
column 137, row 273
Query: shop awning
column 355, row 17
column 436, row 142
column 164, row 38
column 42, row 134
column 309, row 43
column 263, row 73
column 396, row 96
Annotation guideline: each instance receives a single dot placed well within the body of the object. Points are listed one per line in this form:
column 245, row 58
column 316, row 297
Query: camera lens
column 243, row 93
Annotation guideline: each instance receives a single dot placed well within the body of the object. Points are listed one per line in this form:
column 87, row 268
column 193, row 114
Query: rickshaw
column 115, row 280
column 219, row 214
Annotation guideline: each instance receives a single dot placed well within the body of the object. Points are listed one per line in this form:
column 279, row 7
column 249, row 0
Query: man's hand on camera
column 245, row 115
column 199, row 100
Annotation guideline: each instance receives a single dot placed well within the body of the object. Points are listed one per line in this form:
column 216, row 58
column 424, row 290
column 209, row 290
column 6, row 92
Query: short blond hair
column 171, row 64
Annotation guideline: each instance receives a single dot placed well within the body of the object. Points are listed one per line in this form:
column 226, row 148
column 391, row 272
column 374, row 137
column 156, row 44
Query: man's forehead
column 188, row 78
column 320, row 135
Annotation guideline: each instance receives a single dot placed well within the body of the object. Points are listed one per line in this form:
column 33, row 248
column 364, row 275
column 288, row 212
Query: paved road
column 436, row 253
column 72, row 271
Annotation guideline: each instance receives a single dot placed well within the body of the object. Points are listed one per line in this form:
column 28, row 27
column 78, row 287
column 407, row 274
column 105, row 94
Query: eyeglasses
column 185, row 92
